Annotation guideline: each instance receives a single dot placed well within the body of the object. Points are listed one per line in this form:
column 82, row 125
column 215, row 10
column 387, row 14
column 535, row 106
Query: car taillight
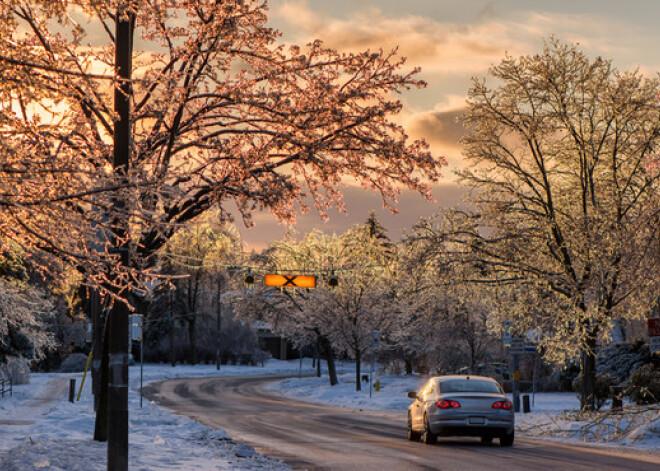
column 444, row 404
column 506, row 405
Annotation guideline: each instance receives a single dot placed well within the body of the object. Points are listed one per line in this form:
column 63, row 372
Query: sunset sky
column 453, row 40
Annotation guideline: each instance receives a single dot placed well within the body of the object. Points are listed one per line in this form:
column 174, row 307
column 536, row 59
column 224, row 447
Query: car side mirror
column 412, row 394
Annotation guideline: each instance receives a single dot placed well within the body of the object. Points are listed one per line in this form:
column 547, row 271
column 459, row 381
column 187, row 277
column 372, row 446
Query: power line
column 260, row 269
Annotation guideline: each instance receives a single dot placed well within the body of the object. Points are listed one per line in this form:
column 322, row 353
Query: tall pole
column 516, row 378
column 118, row 327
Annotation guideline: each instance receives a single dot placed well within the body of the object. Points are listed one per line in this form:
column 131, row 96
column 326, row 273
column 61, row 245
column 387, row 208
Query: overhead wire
column 260, row 268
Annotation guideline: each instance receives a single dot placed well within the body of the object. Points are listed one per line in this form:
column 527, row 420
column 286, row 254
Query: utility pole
column 118, row 326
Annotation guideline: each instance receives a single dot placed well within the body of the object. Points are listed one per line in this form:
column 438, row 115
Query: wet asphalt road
column 311, row 436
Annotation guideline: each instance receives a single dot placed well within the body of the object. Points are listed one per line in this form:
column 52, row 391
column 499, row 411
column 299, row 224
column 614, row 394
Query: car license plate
column 476, row 420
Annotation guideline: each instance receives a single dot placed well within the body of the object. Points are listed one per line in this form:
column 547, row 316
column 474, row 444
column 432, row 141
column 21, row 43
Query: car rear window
column 469, row 385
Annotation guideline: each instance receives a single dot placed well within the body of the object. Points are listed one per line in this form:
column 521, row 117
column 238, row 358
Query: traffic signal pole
column 118, row 325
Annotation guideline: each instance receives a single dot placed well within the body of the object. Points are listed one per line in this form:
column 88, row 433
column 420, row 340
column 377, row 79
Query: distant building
column 278, row 347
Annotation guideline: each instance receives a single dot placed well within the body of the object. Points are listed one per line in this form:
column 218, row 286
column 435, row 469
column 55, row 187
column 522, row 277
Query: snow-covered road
column 318, row 436
column 40, row 430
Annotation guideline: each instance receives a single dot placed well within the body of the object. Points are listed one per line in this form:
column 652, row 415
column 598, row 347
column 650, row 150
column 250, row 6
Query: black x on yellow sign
column 291, row 281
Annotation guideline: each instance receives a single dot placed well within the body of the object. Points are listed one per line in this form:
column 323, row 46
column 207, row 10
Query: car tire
column 428, row 437
column 507, row 440
column 487, row 440
column 412, row 435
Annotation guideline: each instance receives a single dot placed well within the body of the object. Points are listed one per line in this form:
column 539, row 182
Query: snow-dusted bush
column 17, row 369
column 25, row 313
column 621, row 359
column 74, row 363
column 644, row 385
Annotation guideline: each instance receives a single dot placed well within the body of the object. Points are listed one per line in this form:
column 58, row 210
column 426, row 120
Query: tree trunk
column 193, row 292
column 101, row 424
column 218, row 324
column 358, row 358
column 171, row 332
column 588, row 393
column 330, row 358
column 318, row 357
column 97, row 345
column 192, row 339
column 408, row 365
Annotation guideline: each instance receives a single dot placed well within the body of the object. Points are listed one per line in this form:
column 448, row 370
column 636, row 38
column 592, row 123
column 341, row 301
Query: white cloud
column 445, row 48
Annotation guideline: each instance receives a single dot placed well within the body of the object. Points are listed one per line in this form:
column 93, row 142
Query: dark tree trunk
column 330, row 358
column 358, row 358
column 409, row 368
column 193, row 340
column 170, row 313
column 193, row 292
column 218, row 324
column 318, row 357
column 97, row 345
column 101, row 424
column 588, row 393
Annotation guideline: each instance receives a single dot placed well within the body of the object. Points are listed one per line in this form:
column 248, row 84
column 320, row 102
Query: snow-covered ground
column 40, row 430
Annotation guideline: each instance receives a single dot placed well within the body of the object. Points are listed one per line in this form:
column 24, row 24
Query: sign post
column 136, row 335
column 516, row 349
column 506, row 333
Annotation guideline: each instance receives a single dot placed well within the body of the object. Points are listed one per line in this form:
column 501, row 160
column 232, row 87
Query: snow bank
column 40, row 429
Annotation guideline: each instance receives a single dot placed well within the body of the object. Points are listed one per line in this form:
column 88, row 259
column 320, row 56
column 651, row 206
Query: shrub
column 602, row 388
column 17, row 369
column 644, row 385
column 621, row 359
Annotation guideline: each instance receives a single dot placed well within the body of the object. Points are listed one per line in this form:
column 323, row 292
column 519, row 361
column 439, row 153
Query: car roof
column 443, row 378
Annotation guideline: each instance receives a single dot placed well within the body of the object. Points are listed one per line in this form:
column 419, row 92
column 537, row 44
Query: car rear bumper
column 472, row 430
column 491, row 427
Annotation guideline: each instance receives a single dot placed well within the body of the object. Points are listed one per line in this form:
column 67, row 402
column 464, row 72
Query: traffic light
column 333, row 281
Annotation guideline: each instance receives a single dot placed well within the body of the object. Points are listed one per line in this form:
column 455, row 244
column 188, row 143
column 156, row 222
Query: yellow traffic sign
column 291, row 281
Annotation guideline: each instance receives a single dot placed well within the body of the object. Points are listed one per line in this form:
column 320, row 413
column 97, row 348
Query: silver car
column 461, row 405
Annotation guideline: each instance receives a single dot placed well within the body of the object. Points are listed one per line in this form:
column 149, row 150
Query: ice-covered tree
column 563, row 206
column 26, row 317
column 220, row 113
column 197, row 256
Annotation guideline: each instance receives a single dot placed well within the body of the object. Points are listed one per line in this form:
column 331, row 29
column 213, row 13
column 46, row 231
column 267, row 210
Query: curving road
column 311, row 436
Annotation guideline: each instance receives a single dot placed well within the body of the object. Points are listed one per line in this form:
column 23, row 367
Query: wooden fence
column 6, row 386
